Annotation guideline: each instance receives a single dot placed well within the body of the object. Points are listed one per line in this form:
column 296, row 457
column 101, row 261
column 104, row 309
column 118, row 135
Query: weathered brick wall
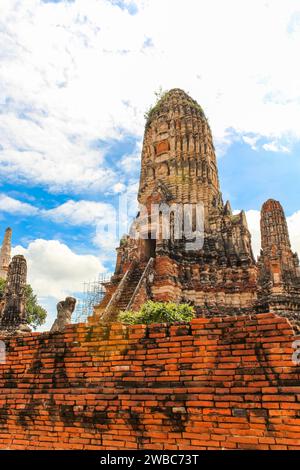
column 211, row 384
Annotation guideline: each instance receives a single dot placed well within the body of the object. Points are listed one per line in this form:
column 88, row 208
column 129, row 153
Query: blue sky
column 76, row 78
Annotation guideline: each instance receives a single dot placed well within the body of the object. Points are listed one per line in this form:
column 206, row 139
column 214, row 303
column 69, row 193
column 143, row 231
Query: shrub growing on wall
column 158, row 312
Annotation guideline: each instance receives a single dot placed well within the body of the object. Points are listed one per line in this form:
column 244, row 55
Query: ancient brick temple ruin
column 13, row 308
column 179, row 167
column 230, row 381
column 12, row 300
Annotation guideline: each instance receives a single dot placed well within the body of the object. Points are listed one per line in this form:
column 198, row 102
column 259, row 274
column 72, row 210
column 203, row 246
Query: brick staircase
column 122, row 296
column 129, row 288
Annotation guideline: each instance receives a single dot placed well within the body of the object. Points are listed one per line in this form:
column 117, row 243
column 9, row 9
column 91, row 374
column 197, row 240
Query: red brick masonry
column 212, row 384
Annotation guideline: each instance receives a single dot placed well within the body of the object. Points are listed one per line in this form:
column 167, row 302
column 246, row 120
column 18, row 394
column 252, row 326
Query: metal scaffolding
column 92, row 294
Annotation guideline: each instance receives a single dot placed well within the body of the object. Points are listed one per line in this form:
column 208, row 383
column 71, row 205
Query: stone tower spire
column 274, row 229
column 278, row 267
column 5, row 253
column 178, row 151
column 279, row 263
column 179, row 167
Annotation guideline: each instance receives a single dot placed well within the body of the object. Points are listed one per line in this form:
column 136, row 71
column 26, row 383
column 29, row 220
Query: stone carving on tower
column 5, row 253
column 13, row 315
column 179, row 167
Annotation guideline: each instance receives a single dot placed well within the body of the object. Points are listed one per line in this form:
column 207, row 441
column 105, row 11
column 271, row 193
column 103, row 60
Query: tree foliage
column 36, row 315
column 158, row 312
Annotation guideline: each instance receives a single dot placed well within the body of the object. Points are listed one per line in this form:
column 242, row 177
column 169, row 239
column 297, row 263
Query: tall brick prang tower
column 179, row 169
column 178, row 152
column 279, row 272
column 5, row 253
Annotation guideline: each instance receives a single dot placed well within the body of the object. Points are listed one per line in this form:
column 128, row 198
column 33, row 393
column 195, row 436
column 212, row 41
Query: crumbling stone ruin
column 65, row 308
column 13, row 314
column 179, row 167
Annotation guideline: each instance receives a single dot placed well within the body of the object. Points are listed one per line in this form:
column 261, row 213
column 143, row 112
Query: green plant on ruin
column 123, row 241
column 36, row 315
column 159, row 95
column 196, row 106
column 158, row 312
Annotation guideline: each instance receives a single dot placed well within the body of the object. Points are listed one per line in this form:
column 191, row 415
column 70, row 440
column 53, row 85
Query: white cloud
column 294, row 228
column 251, row 141
column 14, row 206
column 81, row 212
column 106, row 241
column 76, row 72
column 276, row 147
column 54, row 270
column 253, row 220
column 72, row 212
column 119, row 188
column 109, row 223
column 131, row 163
column 108, row 234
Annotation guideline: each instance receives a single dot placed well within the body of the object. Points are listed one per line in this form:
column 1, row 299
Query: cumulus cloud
column 275, row 147
column 72, row 212
column 14, row 206
column 55, row 270
column 119, row 188
column 77, row 74
column 81, row 212
column 107, row 222
column 251, row 141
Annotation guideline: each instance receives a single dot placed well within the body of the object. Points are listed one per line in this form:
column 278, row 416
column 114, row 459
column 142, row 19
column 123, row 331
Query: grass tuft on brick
column 158, row 312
